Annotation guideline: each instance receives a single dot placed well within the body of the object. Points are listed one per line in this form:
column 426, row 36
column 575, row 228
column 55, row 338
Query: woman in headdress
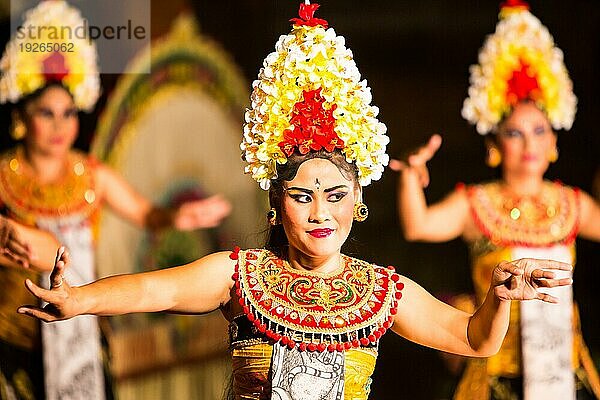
column 45, row 183
column 520, row 94
column 305, row 319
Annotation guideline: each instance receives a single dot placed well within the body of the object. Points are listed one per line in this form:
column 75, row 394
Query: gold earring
column 272, row 216
column 18, row 130
column 494, row 158
column 361, row 211
column 553, row 155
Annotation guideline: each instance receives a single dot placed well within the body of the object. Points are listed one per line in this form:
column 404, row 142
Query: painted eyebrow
column 300, row 189
column 331, row 189
column 305, row 190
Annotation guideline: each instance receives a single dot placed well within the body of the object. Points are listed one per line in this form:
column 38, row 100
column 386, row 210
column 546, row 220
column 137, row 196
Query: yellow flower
column 519, row 37
column 22, row 71
column 307, row 59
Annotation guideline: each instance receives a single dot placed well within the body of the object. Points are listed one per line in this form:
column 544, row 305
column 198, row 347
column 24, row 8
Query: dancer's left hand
column 521, row 279
column 205, row 213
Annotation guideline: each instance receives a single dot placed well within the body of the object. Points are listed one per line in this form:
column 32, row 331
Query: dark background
column 415, row 55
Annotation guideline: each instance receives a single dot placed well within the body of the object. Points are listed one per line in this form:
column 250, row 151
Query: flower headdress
column 49, row 50
column 519, row 62
column 309, row 96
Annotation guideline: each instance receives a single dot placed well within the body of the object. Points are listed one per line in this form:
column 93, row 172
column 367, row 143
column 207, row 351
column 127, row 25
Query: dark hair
column 277, row 241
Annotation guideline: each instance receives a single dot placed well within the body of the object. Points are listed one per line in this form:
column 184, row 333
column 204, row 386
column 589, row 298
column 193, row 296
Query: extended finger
column 57, row 276
column 547, row 297
column 551, row 264
column 424, row 176
column 66, row 257
column 511, row 268
column 554, row 282
column 19, row 249
column 59, row 253
column 540, row 273
column 435, row 141
column 36, row 312
column 397, row 165
column 15, row 257
column 426, row 152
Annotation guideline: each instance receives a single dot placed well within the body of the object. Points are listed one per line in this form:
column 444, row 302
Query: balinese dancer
column 520, row 94
column 46, row 184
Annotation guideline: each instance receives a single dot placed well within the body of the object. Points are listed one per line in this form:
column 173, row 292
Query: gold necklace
column 28, row 198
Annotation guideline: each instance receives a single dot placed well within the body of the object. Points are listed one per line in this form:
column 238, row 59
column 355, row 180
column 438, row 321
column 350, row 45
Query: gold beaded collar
column 29, row 199
column 550, row 217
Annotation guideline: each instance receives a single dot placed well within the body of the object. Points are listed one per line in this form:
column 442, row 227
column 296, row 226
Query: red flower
column 514, row 4
column 522, row 85
column 54, row 68
column 307, row 18
column 313, row 126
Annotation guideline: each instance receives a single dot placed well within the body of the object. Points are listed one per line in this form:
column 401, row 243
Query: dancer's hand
column 61, row 299
column 521, row 279
column 11, row 246
column 205, row 213
column 417, row 159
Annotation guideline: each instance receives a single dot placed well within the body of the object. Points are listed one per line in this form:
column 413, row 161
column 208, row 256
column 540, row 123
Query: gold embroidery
column 28, row 199
column 357, row 296
column 548, row 218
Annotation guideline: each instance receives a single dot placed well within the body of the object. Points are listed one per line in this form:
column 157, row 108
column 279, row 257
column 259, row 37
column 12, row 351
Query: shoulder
column 219, row 266
column 218, row 260
column 585, row 201
column 566, row 190
column 101, row 170
column 472, row 190
column 105, row 177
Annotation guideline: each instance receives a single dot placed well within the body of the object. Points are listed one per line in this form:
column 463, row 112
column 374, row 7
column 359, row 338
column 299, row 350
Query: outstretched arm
column 436, row 223
column 199, row 287
column 129, row 204
column 26, row 247
column 427, row 321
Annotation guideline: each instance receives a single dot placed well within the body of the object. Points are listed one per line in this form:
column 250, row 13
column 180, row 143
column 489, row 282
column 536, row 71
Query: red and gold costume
column 507, row 222
column 72, row 366
column 345, row 313
column 67, row 208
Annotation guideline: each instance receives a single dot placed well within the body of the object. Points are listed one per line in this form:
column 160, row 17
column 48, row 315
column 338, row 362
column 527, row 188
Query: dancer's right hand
column 417, row 160
column 61, row 299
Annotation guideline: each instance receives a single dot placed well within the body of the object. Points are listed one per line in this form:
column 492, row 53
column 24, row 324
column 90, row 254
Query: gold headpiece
column 309, row 96
column 519, row 62
column 50, row 46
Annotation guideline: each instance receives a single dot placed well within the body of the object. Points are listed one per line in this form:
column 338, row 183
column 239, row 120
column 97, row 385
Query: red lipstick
column 321, row 233
column 529, row 157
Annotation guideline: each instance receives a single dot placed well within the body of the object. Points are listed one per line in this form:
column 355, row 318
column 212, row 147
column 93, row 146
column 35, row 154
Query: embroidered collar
column 535, row 221
column 28, row 199
column 352, row 307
